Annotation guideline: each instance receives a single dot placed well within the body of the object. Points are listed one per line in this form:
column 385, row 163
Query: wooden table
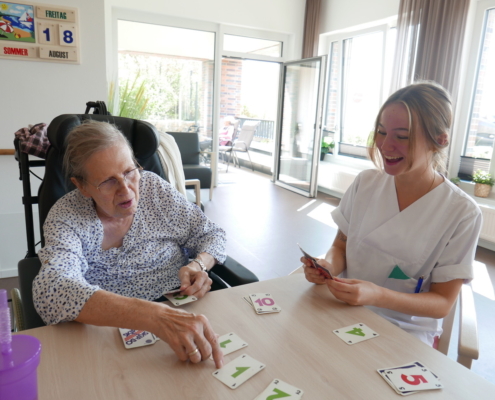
column 297, row 345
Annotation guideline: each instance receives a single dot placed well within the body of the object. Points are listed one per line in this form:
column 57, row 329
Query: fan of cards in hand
column 314, row 263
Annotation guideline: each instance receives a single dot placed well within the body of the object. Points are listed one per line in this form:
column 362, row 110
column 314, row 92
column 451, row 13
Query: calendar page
column 39, row 32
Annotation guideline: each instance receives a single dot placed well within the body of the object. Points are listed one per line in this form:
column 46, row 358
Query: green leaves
column 483, row 177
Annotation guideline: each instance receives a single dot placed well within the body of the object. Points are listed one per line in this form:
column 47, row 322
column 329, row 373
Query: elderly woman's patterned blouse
column 166, row 231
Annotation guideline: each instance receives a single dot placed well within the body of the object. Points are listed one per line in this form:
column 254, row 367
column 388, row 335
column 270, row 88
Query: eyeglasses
column 110, row 185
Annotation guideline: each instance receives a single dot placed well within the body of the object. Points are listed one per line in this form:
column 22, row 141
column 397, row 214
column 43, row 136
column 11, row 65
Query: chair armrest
column 234, row 273
column 468, row 348
column 28, row 268
column 197, row 186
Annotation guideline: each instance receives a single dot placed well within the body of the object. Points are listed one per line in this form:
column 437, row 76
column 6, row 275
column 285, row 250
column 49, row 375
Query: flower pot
column 482, row 190
column 322, row 155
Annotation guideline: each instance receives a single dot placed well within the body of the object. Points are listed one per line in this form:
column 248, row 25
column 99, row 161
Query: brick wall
column 230, row 88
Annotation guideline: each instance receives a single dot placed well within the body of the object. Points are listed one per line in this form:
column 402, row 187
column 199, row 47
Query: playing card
column 230, row 342
column 134, row 338
column 178, row 299
column 278, row 389
column 385, row 377
column 326, row 273
column 238, row 371
column 413, row 378
column 264, row 303
column 355, row 333
column 313, row 260
column 175, row 290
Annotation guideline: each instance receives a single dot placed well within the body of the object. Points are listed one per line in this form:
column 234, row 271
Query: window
column 358, row 83
column 481, row 128
column 166, row 74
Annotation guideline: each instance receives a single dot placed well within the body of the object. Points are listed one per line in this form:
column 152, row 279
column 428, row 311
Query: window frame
column 471, row 57
column 288, row 46
column 384, row 26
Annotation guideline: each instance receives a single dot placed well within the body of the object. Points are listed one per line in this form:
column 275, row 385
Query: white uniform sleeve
column 342, row 214
column 457, row 258
column 60, row 290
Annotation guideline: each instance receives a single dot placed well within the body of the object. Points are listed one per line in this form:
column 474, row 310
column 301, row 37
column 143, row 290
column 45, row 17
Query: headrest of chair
column 132, row 129
column 250, row 125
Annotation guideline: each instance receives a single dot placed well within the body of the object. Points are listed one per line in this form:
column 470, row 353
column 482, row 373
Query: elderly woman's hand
column 189, row 335
column 194, row 281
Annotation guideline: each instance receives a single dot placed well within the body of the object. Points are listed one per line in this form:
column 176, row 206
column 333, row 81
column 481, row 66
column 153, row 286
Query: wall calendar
column 39, row 32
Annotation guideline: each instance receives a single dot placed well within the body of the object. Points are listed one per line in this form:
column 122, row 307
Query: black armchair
column 190, row 152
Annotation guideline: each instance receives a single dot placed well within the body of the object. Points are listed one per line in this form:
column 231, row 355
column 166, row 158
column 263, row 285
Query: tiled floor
column 264, row 223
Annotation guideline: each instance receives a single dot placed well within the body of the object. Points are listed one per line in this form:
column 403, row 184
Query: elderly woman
column 121, row 240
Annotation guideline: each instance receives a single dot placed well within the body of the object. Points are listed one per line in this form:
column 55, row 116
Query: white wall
column 341, row 14
column 38, row 92
column 285, row 16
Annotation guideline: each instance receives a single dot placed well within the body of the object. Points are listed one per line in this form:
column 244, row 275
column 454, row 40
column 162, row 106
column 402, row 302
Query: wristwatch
column 201, row 265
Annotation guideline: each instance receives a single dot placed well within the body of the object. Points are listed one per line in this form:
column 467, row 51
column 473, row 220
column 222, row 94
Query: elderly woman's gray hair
column 87, row 139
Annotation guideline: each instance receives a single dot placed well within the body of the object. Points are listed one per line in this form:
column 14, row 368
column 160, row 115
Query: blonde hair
column 430, row 109
column 85, row 140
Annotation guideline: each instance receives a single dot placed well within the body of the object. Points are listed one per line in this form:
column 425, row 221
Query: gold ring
column 193, row 352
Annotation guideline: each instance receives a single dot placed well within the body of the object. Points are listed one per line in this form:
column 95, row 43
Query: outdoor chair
column 240, row 144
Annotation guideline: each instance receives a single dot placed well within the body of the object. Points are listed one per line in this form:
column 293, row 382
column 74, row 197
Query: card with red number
column 135, row 338
column 263, row 303
column 314, row 262
column 410, row 378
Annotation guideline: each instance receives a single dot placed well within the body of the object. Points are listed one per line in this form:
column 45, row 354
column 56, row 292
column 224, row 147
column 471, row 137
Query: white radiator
column 488, row 228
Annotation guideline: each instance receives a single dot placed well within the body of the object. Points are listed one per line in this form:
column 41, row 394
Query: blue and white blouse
column 166, row 231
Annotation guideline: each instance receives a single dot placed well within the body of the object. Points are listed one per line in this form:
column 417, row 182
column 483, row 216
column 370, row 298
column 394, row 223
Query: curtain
column 311, row 28
column 430, row 35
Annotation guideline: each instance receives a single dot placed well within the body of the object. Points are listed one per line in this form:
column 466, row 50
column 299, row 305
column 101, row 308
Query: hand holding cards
column 314, row 262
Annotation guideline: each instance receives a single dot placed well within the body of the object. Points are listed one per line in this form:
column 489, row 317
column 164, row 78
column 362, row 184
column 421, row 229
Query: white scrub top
column 435, row 237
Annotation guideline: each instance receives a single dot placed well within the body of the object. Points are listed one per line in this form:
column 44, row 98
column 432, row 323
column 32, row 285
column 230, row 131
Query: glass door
column 299, row 137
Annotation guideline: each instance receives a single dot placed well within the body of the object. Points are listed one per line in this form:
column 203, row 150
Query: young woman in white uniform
column 405, row 221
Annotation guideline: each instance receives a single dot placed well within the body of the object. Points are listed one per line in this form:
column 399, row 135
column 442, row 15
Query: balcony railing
column 264, row 131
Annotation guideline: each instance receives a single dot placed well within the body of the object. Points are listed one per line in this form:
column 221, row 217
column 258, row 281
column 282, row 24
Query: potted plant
column 325, row 147
column 456, row 181
column 483, row 183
